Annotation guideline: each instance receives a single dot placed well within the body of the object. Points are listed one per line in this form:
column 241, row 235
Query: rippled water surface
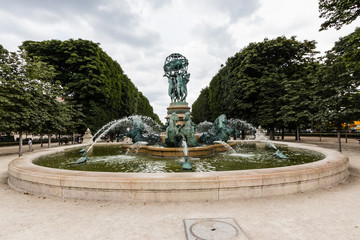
column 113, row 159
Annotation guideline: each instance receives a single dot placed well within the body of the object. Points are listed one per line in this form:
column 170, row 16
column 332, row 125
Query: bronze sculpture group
column 176, row 134
column 175, row 68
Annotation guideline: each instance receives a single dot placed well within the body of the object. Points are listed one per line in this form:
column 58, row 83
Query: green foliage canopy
column 28, row 96
column 339, row 79
column 92, row 80
column 201, row 107
column 27, row 92
column 338, row 12
column 256, row 82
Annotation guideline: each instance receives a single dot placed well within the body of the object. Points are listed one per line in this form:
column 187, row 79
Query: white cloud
column 140, row 34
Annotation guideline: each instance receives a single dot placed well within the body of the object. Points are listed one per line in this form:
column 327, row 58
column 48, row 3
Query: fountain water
column 106, row 129
column 227, row 146
column 203, row 127
column 185, row 148
column 186, row 165
column 260, row 136
column 148, row 128
column 217, row 133
column 241, row 124
column 102, row 129
column 135, row 148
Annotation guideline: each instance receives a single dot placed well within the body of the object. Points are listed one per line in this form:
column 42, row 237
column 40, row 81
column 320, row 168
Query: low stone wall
column 187, row 186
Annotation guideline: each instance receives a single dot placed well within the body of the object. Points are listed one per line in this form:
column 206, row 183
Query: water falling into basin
column 134, row 148
column 261, row 136
column 101, row 129
column 185, row 148
column 203, row 127
column 149, row 124
column 227, row 146
column 186, row 165
column 106, row 130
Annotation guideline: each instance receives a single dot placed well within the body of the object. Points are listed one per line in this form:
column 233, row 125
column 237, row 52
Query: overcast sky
column 140, row 34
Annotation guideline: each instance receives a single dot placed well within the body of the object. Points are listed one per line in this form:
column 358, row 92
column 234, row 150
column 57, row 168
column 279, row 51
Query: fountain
column 149, row 171
column 84, row 158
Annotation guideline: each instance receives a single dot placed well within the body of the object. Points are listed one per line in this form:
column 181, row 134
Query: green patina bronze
column 188, row 130
column 186, row 165
column 175, row 68
column 138, row 133
column 137, row 130
column 84, row 158
column 220, row 131
column 176, row 134
column 173, row 137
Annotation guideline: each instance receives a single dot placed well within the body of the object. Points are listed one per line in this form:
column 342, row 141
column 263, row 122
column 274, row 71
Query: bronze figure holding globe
column 175, row 68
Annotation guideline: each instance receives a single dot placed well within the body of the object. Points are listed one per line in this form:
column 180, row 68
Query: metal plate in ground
column 213, row 229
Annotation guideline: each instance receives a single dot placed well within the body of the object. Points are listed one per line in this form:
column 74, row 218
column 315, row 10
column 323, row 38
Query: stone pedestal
column 180, row 108
column 260, row 139
column 87, row 138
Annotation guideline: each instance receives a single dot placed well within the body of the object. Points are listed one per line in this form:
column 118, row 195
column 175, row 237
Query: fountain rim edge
column 26, row 162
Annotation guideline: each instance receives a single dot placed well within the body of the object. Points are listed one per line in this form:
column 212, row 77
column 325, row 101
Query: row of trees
column 279, row 83
column 28, row 97
column 91, row 79
column 92, row 87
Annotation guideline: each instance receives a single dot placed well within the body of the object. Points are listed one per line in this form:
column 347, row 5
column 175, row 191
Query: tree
column 201, row 107
column 339, row 83
column 255, row 80
column 91, row 79
column 338, row 12
column 26, row 92
column 348, row 50
column 298, row 106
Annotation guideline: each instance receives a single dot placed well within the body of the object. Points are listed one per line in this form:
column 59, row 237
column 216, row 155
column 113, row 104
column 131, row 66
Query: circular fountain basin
column 185, row 186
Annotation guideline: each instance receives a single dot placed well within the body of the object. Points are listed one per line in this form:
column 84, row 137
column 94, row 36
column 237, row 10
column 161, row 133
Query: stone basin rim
column 26, row 176
column 28, row 162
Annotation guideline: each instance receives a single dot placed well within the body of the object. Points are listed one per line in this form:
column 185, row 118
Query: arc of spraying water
column 106, row 131
column 107, row 127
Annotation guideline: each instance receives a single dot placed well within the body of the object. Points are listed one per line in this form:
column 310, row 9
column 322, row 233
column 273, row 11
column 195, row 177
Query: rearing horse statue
column 173, row 137
column 188, row 131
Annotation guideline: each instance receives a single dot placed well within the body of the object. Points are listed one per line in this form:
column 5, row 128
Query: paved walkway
column 332, row 213
column 11, row 150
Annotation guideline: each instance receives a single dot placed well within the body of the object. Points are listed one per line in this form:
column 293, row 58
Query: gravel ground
column 332, row 213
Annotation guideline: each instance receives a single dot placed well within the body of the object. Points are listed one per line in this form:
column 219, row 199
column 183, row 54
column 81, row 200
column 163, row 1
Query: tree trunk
column 72, row 138
column 271, row 134
column 20, row 143
column 59, row 140
column 283, row 134
column 320, row 135
column 339, row 139
column 243, row 135
column 49, row 142
column 41, row 140
column 298, row 133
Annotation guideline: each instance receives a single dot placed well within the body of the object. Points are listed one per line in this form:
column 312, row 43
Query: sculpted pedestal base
column 180, row 108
